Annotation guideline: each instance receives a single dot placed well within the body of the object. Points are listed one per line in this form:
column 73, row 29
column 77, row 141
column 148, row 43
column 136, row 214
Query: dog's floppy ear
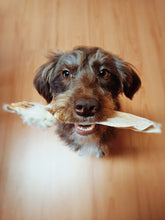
column 42, row 78
column 130, row 81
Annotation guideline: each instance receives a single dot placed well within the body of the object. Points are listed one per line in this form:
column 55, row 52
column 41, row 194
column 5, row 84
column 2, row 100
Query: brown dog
column 85, row 84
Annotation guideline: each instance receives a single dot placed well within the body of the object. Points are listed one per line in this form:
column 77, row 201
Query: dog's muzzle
column 86, row 107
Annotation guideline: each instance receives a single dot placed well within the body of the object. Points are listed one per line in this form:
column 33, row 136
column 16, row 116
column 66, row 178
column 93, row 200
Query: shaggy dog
column 84, row 85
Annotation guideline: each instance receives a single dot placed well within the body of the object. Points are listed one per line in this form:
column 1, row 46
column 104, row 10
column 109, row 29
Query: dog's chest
column 88, row 145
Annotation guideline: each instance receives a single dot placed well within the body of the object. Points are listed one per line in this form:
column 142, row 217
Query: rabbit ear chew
column 44, row 116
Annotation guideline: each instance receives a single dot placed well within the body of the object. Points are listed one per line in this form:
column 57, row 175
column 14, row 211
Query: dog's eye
column 104, row 73
column 66, row 74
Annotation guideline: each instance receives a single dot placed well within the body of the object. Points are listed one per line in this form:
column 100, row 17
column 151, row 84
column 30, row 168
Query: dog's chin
column 85, row 130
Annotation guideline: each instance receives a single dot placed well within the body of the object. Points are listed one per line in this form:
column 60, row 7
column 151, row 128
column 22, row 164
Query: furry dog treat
column 44, row 116
column 33, row 113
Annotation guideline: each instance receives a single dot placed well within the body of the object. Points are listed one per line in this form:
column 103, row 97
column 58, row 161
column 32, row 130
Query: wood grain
column 40, row 179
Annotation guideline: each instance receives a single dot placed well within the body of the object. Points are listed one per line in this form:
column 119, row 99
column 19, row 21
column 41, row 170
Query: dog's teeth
column 86, row 128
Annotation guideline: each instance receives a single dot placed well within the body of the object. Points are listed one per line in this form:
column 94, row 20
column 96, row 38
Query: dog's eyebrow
column 99, row 57
column 65, row 66
column 73, row 58
column 103, row 64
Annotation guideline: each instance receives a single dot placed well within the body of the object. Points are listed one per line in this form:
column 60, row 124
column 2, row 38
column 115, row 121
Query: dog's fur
column 85, row 84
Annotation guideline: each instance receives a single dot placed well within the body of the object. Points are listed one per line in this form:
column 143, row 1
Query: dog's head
column 89, row 78
column 85, row 84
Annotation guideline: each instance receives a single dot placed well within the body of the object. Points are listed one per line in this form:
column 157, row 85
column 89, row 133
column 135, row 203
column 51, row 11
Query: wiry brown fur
column 86, row 82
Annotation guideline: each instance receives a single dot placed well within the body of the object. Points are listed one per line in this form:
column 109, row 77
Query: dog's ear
column 43, row 76
column 130, row 81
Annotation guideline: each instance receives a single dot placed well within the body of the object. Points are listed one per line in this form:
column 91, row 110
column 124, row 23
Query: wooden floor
column 40, row 179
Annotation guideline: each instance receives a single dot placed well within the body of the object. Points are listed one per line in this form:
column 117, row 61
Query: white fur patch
column 88, row 150
column 89, row 144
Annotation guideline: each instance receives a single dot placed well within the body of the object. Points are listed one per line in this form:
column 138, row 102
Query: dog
column 85, row 85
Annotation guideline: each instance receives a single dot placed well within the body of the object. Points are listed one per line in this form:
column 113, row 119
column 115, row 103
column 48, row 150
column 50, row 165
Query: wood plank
column 40, row 179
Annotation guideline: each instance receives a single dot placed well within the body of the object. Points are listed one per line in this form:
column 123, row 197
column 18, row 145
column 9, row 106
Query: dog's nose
column 86, row 106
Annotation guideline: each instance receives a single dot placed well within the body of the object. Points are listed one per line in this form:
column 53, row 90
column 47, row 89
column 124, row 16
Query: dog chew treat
column 44, row 116
column 33, row 113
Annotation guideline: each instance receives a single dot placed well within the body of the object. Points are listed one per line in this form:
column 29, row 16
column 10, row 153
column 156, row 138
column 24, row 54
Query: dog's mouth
column 85, row 129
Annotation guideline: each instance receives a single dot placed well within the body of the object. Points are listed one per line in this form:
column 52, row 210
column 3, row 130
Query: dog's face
column 85, row 84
